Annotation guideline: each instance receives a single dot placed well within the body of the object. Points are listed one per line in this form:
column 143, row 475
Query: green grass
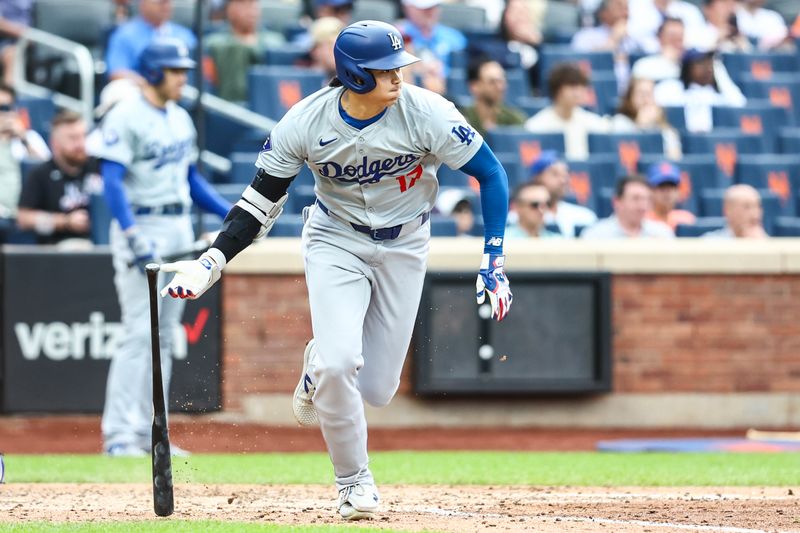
column 179, row 526
column 430, row 468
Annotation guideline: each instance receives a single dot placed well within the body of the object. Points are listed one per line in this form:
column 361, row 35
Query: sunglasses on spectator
column 5, row 108
column 536, row 204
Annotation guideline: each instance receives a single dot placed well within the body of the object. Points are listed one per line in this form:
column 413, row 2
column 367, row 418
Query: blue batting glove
column 144, row 250
column 492, row 281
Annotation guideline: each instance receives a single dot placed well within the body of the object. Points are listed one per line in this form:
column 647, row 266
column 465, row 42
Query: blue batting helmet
column 163, row 53
column 368, row 44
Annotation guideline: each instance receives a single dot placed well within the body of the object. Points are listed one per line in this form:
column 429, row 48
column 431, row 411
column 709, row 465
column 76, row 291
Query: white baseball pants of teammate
column 364, row 295
column 128, row 411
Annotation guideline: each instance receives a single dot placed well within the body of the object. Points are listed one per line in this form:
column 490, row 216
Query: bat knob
column 152, row 267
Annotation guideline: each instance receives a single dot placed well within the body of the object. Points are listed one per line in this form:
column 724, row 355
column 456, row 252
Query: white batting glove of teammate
column 193, row 278
column 492, row 281
column 144, row 249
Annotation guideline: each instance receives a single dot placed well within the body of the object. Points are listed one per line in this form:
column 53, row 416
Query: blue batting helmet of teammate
column 161, row 53
column 368, row 44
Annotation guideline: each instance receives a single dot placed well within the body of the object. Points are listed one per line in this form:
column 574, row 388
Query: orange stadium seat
column 726, row 145
column 761, row 66
column 273, row 90
column 781, row 90
column 758, row 117
column 777, row 173
column 528, row 145
column 629, row 147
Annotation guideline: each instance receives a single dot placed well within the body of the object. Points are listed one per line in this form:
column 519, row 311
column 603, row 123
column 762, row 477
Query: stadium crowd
column 613, row 118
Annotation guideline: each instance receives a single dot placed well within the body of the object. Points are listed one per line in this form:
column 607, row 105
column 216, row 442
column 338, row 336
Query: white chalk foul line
column 645, row 523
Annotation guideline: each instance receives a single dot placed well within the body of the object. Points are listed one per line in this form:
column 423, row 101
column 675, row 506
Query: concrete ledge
column 662, row 411
column 681, row 256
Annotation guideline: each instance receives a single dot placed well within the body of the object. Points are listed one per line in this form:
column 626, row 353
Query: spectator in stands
column 128, row 40
column 638, row 111
column 665, row 179
column 15, row 17
column 530, row 202
column 552, row 172
column 487, row 84
column 520, row 29
column 647, row 15
column 568, row 87
column 632, row 201
column 743, row 215
column 610, row 35
column 721, row 32
column 55, row 197
column 766, row 26
column 341, row 9
column 666, row 64
column 434, row 43
column 233, row 51
column 17, row 142
column 702, row 85
column 796, row 27
column 457, row 204
column 323, row 35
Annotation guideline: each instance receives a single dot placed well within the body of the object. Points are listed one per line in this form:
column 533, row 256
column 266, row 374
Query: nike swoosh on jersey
column 326, row 143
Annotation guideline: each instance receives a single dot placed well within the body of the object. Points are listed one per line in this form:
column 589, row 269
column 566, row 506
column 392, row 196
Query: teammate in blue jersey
column 148, row 157
column 373, row 145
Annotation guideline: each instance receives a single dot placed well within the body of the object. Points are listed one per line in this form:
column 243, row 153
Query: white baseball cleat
column 302, row 405
column 359, row 501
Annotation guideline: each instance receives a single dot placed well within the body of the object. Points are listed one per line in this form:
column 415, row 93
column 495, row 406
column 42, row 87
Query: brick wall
column 672, row 333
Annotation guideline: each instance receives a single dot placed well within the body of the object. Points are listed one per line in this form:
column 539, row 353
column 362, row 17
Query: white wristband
column 216, row 255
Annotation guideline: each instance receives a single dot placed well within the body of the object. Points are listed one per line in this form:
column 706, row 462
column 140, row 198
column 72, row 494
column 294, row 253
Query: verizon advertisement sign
column 60, row 329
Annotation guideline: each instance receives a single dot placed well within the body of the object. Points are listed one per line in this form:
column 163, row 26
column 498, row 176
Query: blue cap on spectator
column 546, row 159
column 334, row 3
column 693, row 54
column 663, row 172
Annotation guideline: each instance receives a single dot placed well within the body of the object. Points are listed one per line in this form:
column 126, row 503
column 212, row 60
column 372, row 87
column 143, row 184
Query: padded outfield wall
column 704, row 334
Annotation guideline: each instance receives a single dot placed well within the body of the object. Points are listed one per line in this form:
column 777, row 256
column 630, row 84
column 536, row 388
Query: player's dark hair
column 335, row 82
column 4, row 88
column 522, row 186
column 563, row 75
column 668, row 20
column 65, row 117
column 622, row 184
column 474, row 67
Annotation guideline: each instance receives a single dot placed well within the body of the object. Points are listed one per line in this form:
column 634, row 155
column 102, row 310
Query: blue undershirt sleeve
column 205, row 196
column 494, row 196
column 114, row 193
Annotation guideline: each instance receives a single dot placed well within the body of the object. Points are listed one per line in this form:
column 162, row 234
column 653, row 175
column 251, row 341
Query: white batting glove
column 492, row 281
column 193, row 278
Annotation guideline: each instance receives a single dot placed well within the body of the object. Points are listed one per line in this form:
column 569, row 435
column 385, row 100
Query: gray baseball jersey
column 382, row 175
column 157, row 146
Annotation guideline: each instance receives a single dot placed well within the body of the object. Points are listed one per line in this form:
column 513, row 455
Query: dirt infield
column 445, row 508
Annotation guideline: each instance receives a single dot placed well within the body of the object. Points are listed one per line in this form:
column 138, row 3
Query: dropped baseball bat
column 200, row 245
column 163, row 503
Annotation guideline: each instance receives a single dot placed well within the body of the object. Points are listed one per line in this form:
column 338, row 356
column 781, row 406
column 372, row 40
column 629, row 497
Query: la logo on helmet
column 397, row 42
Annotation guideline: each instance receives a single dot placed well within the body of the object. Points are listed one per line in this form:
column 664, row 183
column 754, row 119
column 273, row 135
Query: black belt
column 380, row 234
column 167, row 209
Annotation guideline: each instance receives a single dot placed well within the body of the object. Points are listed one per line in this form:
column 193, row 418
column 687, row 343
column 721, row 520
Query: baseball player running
column 148, row 159
column 374, row 146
